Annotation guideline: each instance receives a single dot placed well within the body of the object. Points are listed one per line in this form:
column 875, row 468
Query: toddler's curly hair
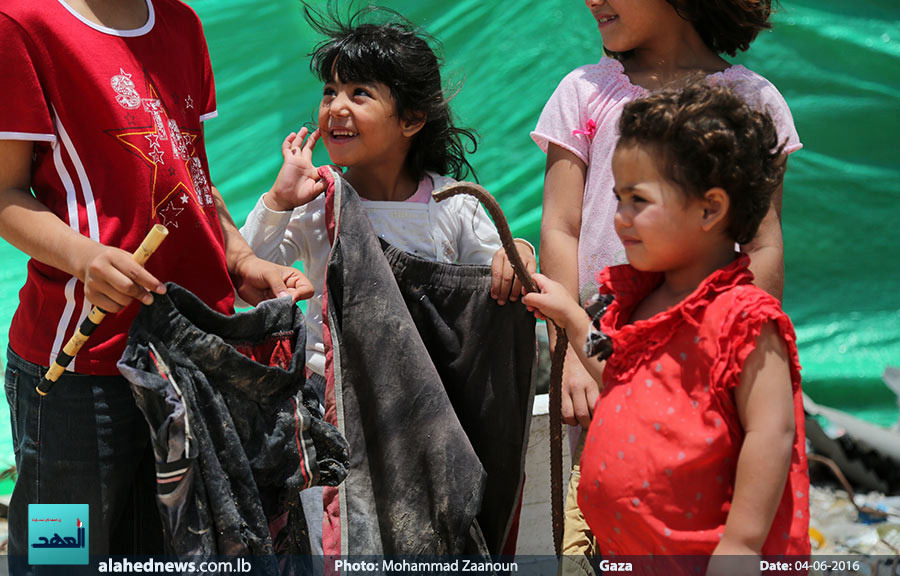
column 705, row 136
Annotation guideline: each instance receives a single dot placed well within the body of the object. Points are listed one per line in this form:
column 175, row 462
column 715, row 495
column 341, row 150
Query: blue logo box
column 58, row 534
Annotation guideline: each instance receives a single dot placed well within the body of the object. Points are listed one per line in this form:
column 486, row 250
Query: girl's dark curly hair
column 725, row 26
column 379, row 45
column 704, row 137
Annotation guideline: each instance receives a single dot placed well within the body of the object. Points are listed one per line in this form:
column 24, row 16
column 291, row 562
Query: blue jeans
column 85, row 442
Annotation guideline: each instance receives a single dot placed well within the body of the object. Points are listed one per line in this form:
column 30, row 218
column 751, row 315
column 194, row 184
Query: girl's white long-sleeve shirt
column 457, row 231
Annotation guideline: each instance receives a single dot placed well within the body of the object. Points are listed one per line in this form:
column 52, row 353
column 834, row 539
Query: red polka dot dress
column 659, row 462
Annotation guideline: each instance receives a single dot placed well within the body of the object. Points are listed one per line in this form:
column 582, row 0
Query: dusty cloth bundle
column 431, row 382
column 235, row 429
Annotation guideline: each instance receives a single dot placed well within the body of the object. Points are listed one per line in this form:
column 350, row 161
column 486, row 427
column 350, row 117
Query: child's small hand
column 298, row 182
column 505, row 285
column 256, row 280
column 553, row 302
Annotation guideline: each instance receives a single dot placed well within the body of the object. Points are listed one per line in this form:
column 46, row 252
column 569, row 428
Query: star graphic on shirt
column 156, row 151
column 130, row 119
column 152, row 142
column 168, row 215
column 188, row 102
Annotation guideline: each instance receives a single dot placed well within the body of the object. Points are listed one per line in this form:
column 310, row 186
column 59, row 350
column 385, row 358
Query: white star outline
column 156, row 151
column 169, row 215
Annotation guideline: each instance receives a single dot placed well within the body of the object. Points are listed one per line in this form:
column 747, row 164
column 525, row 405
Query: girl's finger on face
column 297, row 144
column 311, row 141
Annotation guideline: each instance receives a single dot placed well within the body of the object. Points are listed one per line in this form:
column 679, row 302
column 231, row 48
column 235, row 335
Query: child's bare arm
column 298, row 181
column 111, row 276
column 765, row 406
column 560, row 229
column 766, row 250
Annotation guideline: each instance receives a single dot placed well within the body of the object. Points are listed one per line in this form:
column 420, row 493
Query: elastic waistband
column 410, row 268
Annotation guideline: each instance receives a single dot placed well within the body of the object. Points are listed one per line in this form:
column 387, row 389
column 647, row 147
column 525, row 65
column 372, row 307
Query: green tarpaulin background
column 837, row 64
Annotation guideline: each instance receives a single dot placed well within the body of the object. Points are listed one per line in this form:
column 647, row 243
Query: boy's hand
column 505, row 285
column 553, row 302
column 298, row 181
column 256, row 280
column 112, row 279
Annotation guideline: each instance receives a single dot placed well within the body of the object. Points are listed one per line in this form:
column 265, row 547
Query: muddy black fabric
column 434, row 383
column 235, row 429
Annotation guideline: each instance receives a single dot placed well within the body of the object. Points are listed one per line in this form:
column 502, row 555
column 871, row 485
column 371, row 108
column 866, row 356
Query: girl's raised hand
column 298, row 182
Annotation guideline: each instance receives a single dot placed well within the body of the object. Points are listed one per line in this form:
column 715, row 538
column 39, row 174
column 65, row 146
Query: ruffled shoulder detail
column 764, row 96
column 597, row 85
column 609, row 76
column 744, row 314
column 731, row 74
column 750, row 85
column 612, row 66
column 635, row 342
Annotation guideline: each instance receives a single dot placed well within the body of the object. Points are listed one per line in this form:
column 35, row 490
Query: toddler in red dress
column 697, row 443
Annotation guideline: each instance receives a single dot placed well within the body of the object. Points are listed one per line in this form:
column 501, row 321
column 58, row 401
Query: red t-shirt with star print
column 659, row 461
column 116, row 119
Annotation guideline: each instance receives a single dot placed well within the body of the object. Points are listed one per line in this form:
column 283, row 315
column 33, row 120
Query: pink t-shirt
column 582, row 116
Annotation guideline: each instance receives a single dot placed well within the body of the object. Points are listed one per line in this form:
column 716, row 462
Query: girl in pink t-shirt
column 696, row 446
column 649, row 44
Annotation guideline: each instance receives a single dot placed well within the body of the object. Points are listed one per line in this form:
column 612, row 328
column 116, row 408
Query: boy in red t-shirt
column 101, row 137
